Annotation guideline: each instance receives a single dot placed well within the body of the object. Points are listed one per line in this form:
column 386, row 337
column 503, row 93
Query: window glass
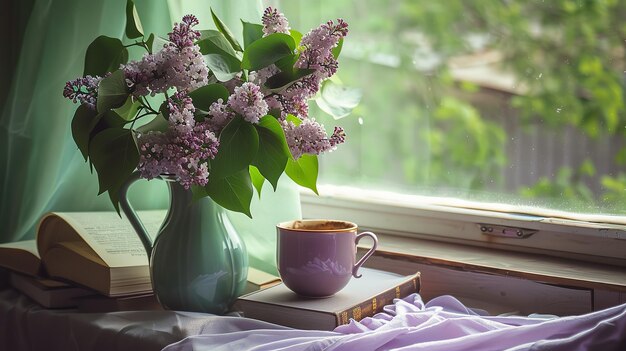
column 519, row 102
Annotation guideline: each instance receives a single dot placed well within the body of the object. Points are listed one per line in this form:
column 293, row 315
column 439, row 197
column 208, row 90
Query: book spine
column 375, row 305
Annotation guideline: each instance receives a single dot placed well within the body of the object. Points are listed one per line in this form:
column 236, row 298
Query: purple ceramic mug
column 316, row 258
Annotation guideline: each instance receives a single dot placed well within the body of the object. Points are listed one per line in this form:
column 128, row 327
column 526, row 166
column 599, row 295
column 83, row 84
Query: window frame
column 580, row 237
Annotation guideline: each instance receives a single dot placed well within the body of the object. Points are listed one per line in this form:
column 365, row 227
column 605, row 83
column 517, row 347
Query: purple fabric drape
column 443, row 323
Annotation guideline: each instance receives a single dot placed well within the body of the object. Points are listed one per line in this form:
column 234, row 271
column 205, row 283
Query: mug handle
column 358, row 265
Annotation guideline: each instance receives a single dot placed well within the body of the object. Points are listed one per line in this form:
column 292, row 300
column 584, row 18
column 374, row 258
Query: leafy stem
column 146, row 105
column 142, row 44
column 139, row 117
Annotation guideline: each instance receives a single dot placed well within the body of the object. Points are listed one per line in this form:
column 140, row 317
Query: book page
column 21, row 256
column 112, row 237
column 26, row 245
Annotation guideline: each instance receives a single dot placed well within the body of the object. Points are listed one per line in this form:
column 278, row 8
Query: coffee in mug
column 316, row 258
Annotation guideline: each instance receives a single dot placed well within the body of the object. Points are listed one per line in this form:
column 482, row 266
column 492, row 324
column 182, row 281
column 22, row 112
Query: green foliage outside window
column 422, row 127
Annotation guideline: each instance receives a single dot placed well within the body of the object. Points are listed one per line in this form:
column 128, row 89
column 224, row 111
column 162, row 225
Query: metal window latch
column 506, row 232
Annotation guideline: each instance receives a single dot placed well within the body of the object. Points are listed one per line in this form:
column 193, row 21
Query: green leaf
column 224, row 65
column 114, row 196
column 303, row 171
column 112, row 91
column 282, row 80
column 87, row 123
column 275, row 112
column 205, row 96
column 114, row 155
column 227, row 33
column 150, row 42
column 129, row 109
column 239, row 143
column 257, row 179
column 267, row 50
column 286, row 63
column 104, row 54
column 133, row 23
column 233, row 192
column 337, row 100
column 273, row 150
column 157, row 124
column 216, row 38
column 107, row 119
column 297, row 36
column 337, row 49
column 251, row 32
column 81, row 128
column 293, row 119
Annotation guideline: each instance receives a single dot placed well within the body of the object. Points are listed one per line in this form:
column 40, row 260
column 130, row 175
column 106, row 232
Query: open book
column 98, row 250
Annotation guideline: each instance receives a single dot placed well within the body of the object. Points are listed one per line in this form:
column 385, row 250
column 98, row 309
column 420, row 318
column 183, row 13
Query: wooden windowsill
column 539, row 268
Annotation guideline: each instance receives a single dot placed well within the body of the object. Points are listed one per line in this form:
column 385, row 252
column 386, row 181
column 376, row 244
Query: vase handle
column 131, row 214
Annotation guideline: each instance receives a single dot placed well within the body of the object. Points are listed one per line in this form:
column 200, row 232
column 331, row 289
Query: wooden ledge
column 535, row 267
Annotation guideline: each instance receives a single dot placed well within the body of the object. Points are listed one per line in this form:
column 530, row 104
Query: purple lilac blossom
column 274, row 22
column 310, row 138
column 178, row 64
column 83, row 90
column 220, row 115
column 247, row 100
column 181, row 111
column 317, row 54
column 260, row 77
column 182, row 35
column 184, row 155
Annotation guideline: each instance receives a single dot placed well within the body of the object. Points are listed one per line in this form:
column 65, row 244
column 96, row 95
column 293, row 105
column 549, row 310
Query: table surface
column 24, row 325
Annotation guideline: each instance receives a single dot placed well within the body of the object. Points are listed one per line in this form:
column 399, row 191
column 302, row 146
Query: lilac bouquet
column 221, row 117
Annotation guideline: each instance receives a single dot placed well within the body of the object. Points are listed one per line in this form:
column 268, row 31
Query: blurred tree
column 567, row 60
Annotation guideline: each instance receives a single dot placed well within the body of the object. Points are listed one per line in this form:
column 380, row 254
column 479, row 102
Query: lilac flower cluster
column 182, row 35
column 181, row 111
column 186, row 148
column 310, row 138
column 83, row 90
column 247, row 100
column 315, row 53
column 274, row 22
column 183, row 154
column 179, row 64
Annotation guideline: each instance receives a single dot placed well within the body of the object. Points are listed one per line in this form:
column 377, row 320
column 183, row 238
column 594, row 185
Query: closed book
column 101, row 304
column 362, row 297
column 49, row 293
column 259, row 280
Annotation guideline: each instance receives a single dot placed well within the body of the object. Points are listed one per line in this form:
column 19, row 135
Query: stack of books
column 92, row 261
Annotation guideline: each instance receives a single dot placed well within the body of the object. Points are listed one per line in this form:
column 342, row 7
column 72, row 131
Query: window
column 514, row 106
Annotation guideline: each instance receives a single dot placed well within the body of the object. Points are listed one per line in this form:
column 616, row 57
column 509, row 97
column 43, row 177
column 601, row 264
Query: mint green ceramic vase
column 197, row 261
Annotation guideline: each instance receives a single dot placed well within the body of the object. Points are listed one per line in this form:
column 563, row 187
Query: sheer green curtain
column 41, row 169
